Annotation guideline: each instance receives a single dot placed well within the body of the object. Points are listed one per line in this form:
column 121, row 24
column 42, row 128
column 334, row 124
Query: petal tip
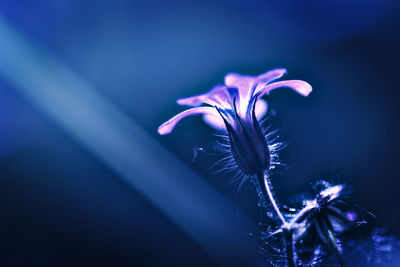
column 181, row 101
column 281, row 70
column 229, row 78
column 307, row 89
column 162, row 130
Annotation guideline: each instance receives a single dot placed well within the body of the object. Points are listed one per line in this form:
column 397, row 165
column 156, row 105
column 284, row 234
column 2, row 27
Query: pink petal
column 215, row 121
column 169, row 125
column 269, row 76
column 261, row 108
column 300, row 87
column 218, row 96
column 245, row 86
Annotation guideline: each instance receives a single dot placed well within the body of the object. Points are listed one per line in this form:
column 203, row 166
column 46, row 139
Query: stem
column 299, row 215
column 266, row 189
column 289, row 247
column 287, row 232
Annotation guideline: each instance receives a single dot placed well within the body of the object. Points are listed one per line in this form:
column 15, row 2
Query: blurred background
column 86, row 180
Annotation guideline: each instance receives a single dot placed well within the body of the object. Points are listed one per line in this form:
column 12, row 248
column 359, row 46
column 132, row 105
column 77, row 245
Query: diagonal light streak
column 113, row 138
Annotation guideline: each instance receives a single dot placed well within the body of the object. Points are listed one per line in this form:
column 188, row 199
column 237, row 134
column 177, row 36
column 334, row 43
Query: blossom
column 326, row 215
column 236, row 107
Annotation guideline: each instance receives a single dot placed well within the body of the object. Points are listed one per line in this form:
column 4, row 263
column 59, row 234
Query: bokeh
column 86, row 180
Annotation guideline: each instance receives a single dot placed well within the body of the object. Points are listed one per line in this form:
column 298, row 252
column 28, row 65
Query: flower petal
column 217, row 96
column 261, row 108
column 169, row 125
column 300, row 87
column 245, row 86
column 269, row 76
column 216, row 122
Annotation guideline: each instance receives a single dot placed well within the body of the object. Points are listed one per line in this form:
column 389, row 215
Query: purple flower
column 236, row 106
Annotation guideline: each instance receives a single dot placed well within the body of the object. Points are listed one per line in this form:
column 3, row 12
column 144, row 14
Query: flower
column 326, row 216
column 236, row 106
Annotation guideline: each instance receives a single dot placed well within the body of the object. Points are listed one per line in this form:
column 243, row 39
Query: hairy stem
column 299, row 215
column 289, row 250
column 287, row 232
column 266, row 190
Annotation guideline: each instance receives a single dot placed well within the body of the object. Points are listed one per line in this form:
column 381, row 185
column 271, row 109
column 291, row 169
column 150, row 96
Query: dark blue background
column 59, row 206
